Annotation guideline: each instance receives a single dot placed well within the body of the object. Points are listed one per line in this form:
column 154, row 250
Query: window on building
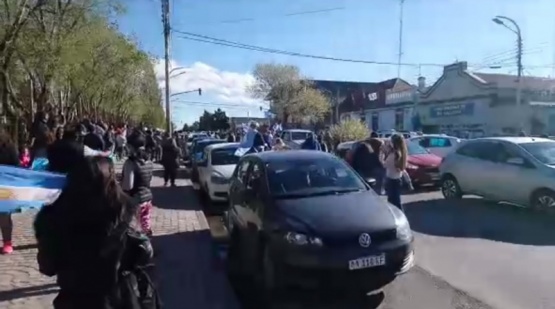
column 399, row 119
column 375, row 121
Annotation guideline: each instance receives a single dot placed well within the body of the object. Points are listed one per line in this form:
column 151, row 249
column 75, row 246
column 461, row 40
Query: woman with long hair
column 8, row 156
column 395, row 163
column 137, row 175
column 75, row 236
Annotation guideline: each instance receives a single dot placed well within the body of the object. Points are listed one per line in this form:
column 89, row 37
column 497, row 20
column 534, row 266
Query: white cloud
column 222, row 86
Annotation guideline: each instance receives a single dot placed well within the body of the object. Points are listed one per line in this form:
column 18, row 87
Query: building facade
column 467, row 104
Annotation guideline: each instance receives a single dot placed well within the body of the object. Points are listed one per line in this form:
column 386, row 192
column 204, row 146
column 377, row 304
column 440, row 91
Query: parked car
column 438, row 144
column 294, row 137
column 215, row 172
column 305, row 218
column 518, row 170
column 197, row 154
column 422, row 167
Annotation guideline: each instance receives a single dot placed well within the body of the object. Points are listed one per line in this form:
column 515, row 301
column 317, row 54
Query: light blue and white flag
column 22, row 189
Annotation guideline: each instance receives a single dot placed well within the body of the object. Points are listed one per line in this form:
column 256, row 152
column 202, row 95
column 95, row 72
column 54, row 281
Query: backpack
column 134, row 288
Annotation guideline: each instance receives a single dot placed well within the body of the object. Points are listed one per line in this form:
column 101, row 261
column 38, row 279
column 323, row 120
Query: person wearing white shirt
column 395, row 163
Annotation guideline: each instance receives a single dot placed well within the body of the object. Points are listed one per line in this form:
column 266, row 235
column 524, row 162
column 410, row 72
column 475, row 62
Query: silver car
column 517, row 170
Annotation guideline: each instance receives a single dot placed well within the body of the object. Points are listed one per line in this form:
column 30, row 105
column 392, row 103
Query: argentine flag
column 22, row 189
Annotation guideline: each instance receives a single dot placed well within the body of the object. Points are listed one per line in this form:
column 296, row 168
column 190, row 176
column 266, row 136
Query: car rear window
column 307, row 176
column 199, row 147
column 299, row 135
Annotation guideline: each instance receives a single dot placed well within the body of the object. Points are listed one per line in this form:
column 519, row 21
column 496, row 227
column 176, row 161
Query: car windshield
column 415, row 149
column 225, row 156
column 543, row 151
column 299, row 178
column 299, row 135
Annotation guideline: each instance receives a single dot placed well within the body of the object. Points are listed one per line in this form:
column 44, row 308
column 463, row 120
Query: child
column 25, row 158
column 137, row 174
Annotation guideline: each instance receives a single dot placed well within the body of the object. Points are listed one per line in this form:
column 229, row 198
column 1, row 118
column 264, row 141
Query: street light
column 501, row 20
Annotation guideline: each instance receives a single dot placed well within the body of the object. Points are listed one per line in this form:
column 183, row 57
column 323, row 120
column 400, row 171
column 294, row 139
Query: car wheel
column 450, row 188
column 271, row 274
column 543, row 200
column 234, row 256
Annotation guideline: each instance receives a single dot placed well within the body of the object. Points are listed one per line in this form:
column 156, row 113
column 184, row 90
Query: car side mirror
column 370, row 181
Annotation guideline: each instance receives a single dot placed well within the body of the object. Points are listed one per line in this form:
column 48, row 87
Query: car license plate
column 367, row 262
column 434, row 176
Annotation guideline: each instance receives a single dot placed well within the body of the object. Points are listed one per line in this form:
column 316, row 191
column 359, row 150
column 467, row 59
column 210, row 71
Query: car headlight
column 302, row 239
column 218, row 179
column 401, row 223
column 412, row 166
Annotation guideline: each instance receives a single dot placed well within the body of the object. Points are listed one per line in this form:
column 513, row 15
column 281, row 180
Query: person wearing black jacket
column 365, row 161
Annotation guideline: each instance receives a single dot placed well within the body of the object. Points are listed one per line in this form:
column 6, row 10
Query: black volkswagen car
column 306, row 218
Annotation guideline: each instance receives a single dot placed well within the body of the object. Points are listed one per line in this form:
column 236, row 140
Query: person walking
column 311, row 143
column 137, row 174
column 395, row 163
column 170, row 160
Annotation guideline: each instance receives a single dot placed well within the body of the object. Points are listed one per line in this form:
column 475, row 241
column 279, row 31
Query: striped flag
column 22, row 189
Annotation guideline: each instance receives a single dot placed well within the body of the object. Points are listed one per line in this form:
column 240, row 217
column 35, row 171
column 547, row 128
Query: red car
column 423, row 166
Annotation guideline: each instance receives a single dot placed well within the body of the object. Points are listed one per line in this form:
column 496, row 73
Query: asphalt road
column 470, row 254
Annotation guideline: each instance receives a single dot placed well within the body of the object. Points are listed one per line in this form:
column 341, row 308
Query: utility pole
column 500, row 20
column 400, row 55
column 166, row 25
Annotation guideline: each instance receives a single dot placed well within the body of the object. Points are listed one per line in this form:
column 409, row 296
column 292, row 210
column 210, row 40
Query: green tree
column 292, row 97
column 349, row 130
column 206, row 121
column 68, row 57
column 220, row 121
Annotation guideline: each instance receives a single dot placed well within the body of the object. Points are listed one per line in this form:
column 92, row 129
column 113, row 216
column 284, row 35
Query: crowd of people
column 383, row 160
column 97, row 231
column 83, row 236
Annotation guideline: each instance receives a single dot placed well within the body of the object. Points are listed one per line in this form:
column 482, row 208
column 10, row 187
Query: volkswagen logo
column 364, row 240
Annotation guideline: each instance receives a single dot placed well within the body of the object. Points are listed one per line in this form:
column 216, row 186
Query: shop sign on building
column 399, row 96
column 460, row 109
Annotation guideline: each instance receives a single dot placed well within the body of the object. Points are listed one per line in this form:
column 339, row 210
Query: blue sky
column 435, row 32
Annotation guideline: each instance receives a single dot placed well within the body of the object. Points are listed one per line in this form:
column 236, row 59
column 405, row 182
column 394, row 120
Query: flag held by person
column 22, row 189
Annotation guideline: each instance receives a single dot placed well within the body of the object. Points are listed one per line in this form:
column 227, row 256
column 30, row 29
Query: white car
column 216, row 170
column 294, row 138
column 438, row 144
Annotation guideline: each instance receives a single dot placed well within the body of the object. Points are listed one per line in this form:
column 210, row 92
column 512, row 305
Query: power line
column 216, row 41
column 250, row 19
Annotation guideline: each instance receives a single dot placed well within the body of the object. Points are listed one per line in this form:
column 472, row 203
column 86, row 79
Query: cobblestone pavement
column 188, row 271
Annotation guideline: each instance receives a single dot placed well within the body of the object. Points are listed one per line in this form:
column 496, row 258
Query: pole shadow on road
column 478, row 218
column 31, row 291
column 189, row 273
column 181, row 173
column 180, row 198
